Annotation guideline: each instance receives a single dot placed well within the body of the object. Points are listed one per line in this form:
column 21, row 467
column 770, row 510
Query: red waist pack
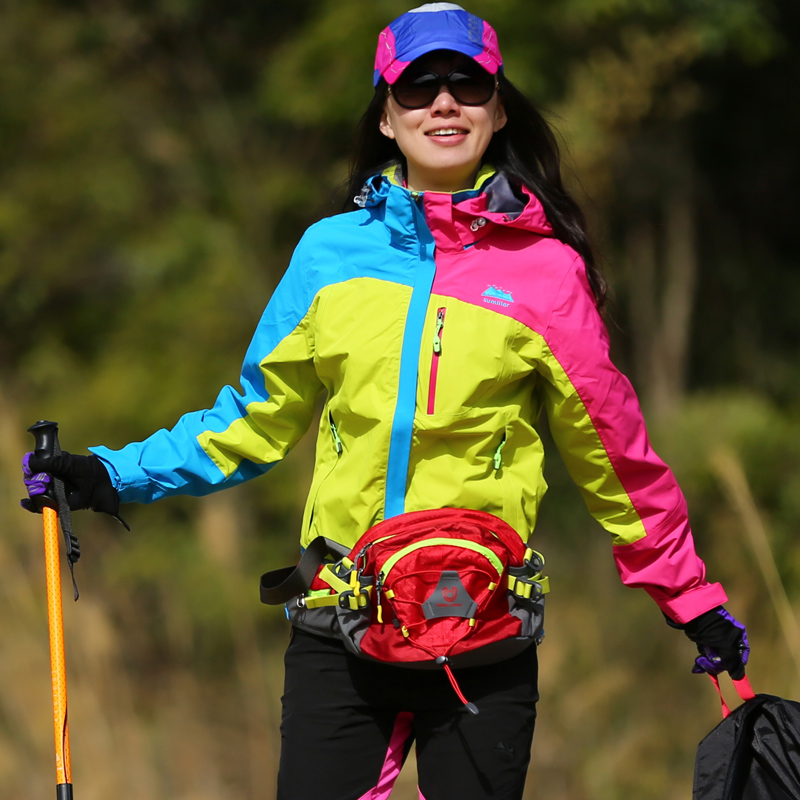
column 441, row 588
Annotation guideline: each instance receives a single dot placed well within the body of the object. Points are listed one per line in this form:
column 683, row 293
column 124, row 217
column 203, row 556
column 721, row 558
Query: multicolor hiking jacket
column 438, row 327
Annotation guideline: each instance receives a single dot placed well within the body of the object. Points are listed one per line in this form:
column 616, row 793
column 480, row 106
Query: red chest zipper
column 437, row 354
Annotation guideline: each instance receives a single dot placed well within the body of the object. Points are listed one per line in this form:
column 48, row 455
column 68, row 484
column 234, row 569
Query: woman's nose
column 444, row 102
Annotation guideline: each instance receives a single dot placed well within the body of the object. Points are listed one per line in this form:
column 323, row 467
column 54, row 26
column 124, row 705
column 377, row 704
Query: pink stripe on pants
column 393, row 762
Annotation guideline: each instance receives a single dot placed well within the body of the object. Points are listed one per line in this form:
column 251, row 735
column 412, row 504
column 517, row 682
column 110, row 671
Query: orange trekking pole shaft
column 46, row 436
column 57, row 662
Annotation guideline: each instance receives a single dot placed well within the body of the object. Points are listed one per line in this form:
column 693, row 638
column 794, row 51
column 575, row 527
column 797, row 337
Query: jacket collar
column 456, row 220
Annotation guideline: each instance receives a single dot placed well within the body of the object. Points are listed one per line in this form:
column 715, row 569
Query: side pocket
column 512, row 501
column 325, row 472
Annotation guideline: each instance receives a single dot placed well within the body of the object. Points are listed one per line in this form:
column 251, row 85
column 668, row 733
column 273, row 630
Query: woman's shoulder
column 341, row 219
column 553, row 275
column 568, row 269
column 332, row 230
column 547, row 258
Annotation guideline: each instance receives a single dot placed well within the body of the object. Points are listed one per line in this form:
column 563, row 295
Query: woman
column 456, row 301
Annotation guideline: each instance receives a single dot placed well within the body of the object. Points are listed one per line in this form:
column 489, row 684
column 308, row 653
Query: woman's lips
column 446, row 132
column 447, row 135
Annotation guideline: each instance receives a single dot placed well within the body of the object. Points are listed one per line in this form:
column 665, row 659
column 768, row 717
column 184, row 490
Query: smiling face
column 443, row 142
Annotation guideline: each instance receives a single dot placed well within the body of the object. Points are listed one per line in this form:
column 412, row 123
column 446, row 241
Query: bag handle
column 743, row 689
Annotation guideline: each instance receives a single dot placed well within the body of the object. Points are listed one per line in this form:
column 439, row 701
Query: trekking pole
column 46, row 444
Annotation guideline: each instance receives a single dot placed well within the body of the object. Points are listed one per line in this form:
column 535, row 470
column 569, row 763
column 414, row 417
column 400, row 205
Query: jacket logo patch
column 497, row 296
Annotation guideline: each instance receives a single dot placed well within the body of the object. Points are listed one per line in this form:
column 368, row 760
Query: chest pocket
column 463, row 358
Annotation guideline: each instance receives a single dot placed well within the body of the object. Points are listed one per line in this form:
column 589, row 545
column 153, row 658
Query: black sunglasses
column 467, row 87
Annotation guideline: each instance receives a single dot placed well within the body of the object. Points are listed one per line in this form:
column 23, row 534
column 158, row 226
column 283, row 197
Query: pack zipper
column 488, row 553
column 378, row 591
column 437, row 354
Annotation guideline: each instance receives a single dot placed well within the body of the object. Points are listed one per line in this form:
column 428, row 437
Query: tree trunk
column 662, row 261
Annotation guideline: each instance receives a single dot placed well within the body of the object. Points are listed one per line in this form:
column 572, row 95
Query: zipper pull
column 361, row 199
column 336, row 440
column 437, row 336
column 498, row 454
column 378, row 588
column 444, row 661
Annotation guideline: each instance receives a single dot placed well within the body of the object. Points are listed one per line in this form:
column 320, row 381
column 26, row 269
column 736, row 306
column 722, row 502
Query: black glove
column 87, row 483
column 721, row 641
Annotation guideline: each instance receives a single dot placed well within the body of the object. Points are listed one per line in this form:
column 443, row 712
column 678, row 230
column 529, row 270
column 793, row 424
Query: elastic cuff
column 691, row 604
column 116, row 480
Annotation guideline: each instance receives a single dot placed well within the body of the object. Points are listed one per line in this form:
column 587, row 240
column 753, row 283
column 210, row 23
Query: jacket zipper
column 437, row 354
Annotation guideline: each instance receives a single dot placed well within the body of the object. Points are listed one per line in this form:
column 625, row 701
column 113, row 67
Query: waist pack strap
column 281, row 585
column 527, row 581
column 528, row 588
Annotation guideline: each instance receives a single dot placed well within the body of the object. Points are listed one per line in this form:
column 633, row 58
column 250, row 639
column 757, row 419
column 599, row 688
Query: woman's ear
column 385, row 124
column 500, row 117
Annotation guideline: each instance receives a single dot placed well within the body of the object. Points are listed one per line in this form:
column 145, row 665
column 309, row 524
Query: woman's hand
column 87, row 483
column 721, row 641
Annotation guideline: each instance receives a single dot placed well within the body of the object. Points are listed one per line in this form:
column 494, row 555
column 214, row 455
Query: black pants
column 348, row 725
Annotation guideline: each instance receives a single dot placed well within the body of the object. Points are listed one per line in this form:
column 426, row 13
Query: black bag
column 754, row 753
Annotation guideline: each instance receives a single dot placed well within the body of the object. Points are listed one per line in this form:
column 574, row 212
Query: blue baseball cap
column 435, row 26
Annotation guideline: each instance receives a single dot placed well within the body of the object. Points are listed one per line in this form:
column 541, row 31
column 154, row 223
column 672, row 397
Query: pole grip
column 45, row 437
column 45, row 444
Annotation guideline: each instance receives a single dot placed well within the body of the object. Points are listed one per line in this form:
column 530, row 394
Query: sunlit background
column 158, row 161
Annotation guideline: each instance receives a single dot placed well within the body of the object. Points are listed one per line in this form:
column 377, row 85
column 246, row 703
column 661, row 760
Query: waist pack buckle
column 350, row 601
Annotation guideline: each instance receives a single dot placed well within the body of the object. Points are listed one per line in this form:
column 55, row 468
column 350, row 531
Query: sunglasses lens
column 416, row 91
column 471, row 89
column 468, row 87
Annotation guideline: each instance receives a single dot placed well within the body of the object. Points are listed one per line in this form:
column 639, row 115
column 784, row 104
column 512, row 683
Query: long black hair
column 525, row 149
